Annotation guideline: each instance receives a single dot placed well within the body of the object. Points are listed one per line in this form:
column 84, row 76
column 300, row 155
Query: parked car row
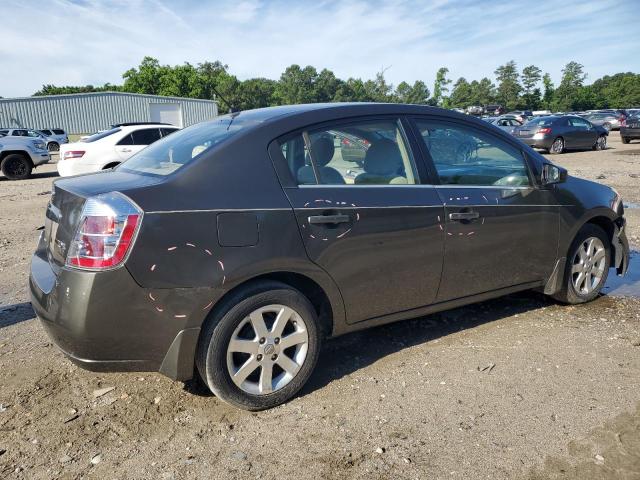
column 53, row 137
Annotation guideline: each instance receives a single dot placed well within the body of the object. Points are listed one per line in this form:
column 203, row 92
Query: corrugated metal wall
column 90, row 112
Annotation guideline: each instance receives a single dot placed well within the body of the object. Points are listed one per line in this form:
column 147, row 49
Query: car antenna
column 231, row 108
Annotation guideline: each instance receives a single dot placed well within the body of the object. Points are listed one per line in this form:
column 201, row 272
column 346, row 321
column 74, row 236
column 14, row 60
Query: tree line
column 513, row 89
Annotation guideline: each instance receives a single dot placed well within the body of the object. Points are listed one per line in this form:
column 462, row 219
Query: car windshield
column 99, row 136
column 541, row 121
column 180, row 148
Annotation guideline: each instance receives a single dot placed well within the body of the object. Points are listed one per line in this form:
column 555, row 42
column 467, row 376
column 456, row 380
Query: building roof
column 102, row 94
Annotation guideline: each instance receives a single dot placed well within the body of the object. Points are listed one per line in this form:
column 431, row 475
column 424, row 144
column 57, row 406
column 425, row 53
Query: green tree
column 549, row 90
column 256, row 93
column 531, row 76
column 483, row 92
column 462, row 94
column 509, row 88
column 145, row 78
column 573, row 78
column 440, row 87
column 418, row 93
column 296, row 85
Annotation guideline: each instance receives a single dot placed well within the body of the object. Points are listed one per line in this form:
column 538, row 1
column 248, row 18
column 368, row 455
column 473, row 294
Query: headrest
column 323, row 150
column 383, row 158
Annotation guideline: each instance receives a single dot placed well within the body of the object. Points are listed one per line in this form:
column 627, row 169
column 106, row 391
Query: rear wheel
column 587, row 266
column 625, row 139
column 53, row 147
column 260, row 350
column 16, row 167
column 557, row 146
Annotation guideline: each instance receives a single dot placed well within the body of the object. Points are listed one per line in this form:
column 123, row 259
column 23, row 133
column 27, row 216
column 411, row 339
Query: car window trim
column 533, row 181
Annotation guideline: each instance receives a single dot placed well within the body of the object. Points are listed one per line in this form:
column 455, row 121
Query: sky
column 79, row 42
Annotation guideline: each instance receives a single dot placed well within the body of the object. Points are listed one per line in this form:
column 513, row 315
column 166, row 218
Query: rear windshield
column 98, row 136
column 180, row 148
column 542, row 121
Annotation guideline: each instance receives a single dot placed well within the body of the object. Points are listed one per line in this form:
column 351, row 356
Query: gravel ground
column 517, row 387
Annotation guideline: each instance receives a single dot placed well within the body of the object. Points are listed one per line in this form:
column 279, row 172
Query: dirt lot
column 512, row 388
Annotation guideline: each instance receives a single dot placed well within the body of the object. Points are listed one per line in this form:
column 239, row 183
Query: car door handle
column 464, row 216
column 126, row 150
column 328, row 219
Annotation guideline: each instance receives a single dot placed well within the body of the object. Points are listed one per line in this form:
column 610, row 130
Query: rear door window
column 368, row 152
column 167, row 131
column 58, row 132
column 145, row 136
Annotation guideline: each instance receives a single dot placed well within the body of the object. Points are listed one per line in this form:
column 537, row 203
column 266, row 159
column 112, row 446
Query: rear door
column 136, row 141
column 372, row 225
column 501, row 230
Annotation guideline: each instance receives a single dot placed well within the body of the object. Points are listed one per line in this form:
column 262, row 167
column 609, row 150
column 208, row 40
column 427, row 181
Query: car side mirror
column 553, row 174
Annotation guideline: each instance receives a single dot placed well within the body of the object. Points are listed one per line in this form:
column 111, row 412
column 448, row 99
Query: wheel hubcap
column 588, row 266
column 267, row 349
column 557, row 145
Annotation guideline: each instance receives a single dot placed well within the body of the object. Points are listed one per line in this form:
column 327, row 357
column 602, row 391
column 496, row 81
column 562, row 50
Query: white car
column 109, row 148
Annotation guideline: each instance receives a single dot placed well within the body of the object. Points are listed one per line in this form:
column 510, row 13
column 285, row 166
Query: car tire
column 625, row 140
column 16, row 166
column 229, row 343
column 601, row 143
column 53, row 147
column 557, row 147
column 580, row 286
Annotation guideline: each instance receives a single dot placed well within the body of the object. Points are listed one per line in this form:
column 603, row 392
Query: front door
column 364, row 216
column 501, row 229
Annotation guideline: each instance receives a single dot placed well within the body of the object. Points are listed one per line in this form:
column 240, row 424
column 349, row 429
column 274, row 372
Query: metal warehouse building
column 90, row 112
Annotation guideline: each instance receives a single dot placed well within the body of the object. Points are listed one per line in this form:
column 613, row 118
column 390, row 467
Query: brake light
column 73, row 154
column 107, row 230
column 544, row 130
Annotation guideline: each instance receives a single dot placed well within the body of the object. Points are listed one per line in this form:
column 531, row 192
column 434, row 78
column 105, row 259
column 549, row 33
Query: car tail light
column 545, row 130
column 73, row 154
column 106, row 232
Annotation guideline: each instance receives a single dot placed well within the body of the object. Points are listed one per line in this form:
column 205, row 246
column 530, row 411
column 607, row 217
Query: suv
column 231, row 249
column 109, row 148
column 58, row 137
column 20, row 155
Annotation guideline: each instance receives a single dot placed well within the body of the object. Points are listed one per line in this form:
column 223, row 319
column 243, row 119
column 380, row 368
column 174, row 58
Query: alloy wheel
column 557, row 146
column 588, row 266
column 602, row 143
column 267, row 349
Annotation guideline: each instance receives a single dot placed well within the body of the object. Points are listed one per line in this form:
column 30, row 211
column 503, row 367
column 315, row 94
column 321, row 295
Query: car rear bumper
column 630, row 132
column 543, row 142
column 104, row 321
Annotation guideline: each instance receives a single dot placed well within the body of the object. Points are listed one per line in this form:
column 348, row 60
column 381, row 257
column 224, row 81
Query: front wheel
column 53, row 147
column 587, row 266
column 557, row 147
column 16, row 167
column 259, row 352
column 601, row 143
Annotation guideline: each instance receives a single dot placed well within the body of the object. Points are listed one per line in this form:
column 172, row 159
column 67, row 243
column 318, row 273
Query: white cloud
column 92, row 42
